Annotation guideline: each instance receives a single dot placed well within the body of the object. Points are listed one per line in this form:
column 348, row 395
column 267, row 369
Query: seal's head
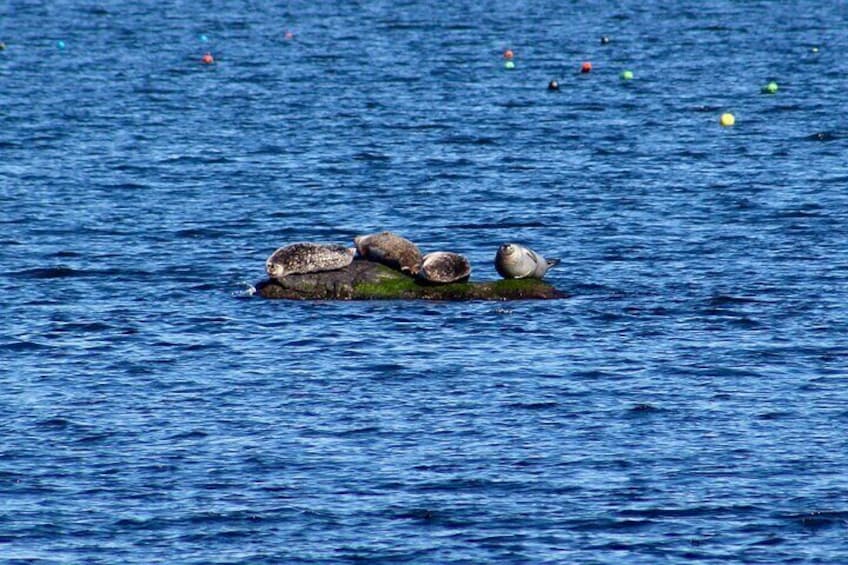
column 507, row 249
column 273, row 269
column 508, row 261
column 359, row 243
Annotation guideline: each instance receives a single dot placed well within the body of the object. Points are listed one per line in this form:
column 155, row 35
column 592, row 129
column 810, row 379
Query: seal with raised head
column 514, row 261
column 443, row 267
column 301, row 258
column 389, row 249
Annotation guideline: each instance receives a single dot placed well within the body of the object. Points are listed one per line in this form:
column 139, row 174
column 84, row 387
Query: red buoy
column 587, row 67
column 208, row 59
column 508, row 54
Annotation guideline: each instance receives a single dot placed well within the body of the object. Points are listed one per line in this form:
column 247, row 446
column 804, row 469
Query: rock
column 367, row 280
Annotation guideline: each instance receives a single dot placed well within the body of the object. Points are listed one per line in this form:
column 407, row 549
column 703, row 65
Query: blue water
column 688, row 403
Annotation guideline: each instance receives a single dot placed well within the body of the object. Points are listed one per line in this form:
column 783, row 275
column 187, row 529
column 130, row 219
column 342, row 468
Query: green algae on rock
column 367, row 280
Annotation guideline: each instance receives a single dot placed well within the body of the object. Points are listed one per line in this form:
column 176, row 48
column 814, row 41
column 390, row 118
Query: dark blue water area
column 687, row 403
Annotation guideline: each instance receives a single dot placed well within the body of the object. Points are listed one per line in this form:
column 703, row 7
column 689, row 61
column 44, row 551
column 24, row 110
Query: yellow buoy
column 727, row 119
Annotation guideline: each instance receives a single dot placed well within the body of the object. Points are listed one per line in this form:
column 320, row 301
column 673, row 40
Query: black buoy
column 604, row 40
column 553, row 85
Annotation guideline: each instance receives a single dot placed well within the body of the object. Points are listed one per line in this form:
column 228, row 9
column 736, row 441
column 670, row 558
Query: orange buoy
column 208, row 59
column 289, row 36
column 586, row 67
column 508, row 54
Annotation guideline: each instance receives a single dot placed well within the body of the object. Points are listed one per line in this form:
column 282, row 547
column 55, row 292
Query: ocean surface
column 687, row 403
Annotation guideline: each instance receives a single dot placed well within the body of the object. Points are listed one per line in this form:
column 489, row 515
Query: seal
column 389, row 249
column 514, row 261
column 443, row 267
column 300, row 258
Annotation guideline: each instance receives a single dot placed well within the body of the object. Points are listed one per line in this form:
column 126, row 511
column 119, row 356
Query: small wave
column 784, row 108
column 56, row 423
column 423, row 126
column 248, row 291
column 769, row 541
column 234, row 516
column 192, row 434
column 469, row 140
column 366, row 430
column 724, row 299
column 394, row 25
column 774, row 415
column 93, row 438
column 59, row 272
column 22, row 346
column 64, row 254
column 97, row 11
column 194, row 159
column 85, row 327
column 270, row 150
column 369, row 156
column 64, row 272
column 798, row 213
column 126, row 186
column 817, row 520
column 532, row 405
column 467, row 484
column 496, row 225
column 706, row 108
column 594, row 288
column 590, row 107
column 385, row 368
column 606, row 524
column 691, row 511
column 736, row 373
column 823, row 136
column 137, row 523
column 200, row 233
column 644, row 408
column 203, row 287
column 417, row 514
column 592, row 374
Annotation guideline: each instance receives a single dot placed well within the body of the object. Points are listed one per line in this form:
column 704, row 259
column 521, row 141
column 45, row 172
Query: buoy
column 815, row 49
column 208, row 59
column 509, row 65
column 770, row 88
column 553, row 85
column 604, row 40
column 289, row 36
column 2, row 46
column 203, row 38
column 727, row 119
column 626, row 75
column 508, row 54
column 586, row 67
column 60, row 44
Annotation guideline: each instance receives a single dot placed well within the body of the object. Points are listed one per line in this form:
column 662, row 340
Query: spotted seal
column 300, row 258
column 389, row 249
column 443, row 267
column 514, row 261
